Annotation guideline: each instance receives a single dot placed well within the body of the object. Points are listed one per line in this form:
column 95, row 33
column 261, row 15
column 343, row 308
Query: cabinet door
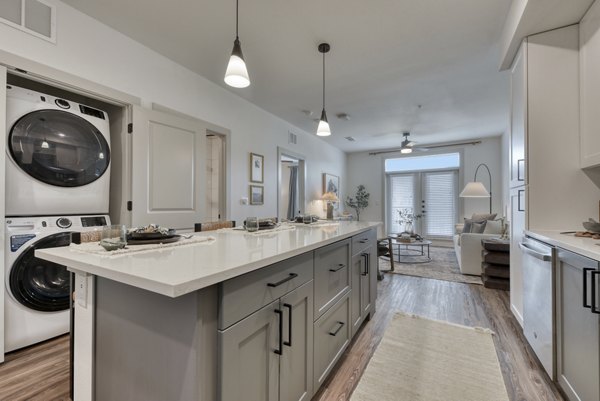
column 249, row 365
column 577, row 329
column 356, row 316
column 518, row 118
column 589, row 42
column 296, row 362
column 517, row 225
column 168, row 169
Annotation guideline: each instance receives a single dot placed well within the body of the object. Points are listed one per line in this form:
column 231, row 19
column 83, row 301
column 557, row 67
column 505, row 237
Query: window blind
column 402, row 195
column 440, row 200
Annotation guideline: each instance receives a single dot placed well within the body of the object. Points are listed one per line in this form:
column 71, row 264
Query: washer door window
column 59, row 148
column 39, row 284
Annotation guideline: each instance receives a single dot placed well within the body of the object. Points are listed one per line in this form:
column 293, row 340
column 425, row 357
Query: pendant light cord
column 323, row 81
column 237, row 18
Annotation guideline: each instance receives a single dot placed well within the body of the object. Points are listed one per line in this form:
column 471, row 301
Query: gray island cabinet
column 242, row 317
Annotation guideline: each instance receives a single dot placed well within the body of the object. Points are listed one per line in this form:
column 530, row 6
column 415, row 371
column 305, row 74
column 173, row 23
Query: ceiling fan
column 408, row 146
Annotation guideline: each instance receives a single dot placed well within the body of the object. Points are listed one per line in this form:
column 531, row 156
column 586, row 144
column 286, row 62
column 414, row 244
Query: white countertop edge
column 583, row 246
column 178, row 289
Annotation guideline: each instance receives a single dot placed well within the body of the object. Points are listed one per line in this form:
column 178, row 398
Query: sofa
column 468, row 248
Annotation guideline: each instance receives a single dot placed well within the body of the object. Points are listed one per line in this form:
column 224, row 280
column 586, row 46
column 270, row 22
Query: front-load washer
column 58, row 156
column 37, row 293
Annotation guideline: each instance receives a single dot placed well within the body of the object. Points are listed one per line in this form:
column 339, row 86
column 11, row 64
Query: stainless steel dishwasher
column 538, row 300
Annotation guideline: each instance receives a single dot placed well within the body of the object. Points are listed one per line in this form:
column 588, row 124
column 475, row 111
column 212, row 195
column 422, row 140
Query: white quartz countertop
column 583, row 246
column 180, row 270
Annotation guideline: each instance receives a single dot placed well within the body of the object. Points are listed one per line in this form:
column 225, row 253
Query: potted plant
column 407, row 218
column 359, row 202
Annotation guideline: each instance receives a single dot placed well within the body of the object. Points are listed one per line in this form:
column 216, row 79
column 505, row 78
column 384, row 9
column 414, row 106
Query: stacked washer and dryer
column 57, row 183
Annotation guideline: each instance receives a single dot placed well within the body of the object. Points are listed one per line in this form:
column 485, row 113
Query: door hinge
column 130, row 128
column 129, row 205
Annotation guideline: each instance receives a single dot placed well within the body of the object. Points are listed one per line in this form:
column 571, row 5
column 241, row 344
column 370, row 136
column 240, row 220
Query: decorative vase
column 408, row 227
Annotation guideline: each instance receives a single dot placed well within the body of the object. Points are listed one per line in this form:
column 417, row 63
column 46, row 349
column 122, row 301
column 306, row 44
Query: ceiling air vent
column 292, row 138
column 350, row 139
column 36, row 17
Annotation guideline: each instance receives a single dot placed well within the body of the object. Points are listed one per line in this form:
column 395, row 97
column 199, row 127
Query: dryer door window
column 59, row 148
column 39, row 284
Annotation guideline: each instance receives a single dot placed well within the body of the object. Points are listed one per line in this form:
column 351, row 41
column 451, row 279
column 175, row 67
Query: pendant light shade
column 236, row 74
column 323, row 128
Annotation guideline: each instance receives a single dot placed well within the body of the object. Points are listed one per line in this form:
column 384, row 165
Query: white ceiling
column 387, row 58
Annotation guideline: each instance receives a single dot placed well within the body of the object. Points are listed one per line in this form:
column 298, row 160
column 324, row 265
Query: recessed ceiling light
column 343, row 116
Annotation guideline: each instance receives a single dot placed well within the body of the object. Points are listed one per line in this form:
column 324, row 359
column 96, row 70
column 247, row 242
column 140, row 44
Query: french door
column 431, row 194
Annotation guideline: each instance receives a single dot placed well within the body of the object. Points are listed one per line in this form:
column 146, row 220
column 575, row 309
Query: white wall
column 91, row 50
column 368, row 170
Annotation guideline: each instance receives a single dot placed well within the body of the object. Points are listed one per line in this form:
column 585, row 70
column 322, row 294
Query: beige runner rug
column 425, row 360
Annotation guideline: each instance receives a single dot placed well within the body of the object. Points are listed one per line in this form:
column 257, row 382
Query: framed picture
column 257, row 168
column 331, row 183
column 257, row 195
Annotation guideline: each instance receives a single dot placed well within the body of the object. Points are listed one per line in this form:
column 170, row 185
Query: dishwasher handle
column 534, row 253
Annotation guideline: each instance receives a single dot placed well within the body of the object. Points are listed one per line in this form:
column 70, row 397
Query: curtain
column 293, row 193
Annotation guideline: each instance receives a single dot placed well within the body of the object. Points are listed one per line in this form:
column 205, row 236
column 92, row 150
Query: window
column 428, row 187
column 37, row 17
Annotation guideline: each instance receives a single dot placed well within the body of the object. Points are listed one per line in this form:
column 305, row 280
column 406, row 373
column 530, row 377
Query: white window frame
column 23, row 28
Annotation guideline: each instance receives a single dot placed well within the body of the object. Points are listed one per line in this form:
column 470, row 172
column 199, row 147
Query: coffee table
column 414, row 250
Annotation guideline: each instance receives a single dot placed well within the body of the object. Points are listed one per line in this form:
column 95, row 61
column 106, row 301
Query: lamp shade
column 474, row 190
column 237, row 73
column 330, row 196
column 323, row 128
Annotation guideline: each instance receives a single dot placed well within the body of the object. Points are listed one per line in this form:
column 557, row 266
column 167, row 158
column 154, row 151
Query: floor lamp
column 475, row 189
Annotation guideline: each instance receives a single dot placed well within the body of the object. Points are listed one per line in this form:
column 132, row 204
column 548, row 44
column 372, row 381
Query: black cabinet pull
column 364, row 241
column 280, row 350
column 285, row 280
column 594, row 280
column 340, row 267
column 366, row 258
column 336, row 331
column 289, row 341
column 519, row 208
column 585, row 297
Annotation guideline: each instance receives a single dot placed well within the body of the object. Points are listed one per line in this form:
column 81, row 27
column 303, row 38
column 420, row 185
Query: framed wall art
column 257, row 168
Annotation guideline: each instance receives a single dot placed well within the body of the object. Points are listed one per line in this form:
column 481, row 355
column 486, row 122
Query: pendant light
column 323, row 128
column 237, row 73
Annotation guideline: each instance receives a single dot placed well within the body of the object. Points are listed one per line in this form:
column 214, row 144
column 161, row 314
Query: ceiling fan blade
column 420, row 149
column 411, row 143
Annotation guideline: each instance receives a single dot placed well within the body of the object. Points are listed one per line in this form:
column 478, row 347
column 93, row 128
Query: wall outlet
column 244, row 200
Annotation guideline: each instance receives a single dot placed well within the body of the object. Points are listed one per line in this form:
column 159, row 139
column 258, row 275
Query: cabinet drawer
column 362, row 241
column 332, row 275
column 243, row 295
column 331, row 337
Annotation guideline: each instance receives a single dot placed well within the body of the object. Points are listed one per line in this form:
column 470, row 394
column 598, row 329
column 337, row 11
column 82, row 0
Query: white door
column 439, row 203
column 168, row 167
column 2, row 200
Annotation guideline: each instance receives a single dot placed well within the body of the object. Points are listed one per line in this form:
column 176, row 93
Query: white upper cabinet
column 589, row 41
column 168, row 160
column 518, row 118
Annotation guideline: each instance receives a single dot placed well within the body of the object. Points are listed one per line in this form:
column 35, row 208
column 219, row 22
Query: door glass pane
column 10, row 10
column 59, row 148
column 401, row 196
column 38, row 17
column 440, row 196
column 39, row 284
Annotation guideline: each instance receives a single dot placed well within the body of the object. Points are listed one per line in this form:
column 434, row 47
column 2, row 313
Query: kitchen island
column 213, row 321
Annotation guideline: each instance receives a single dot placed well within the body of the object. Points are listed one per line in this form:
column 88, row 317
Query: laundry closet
column 78, row 156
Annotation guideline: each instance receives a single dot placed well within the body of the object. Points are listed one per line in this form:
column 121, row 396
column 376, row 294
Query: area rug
column 443, row 266
column 426, row 360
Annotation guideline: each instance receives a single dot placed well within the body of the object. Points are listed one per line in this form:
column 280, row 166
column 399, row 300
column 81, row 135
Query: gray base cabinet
column 268, row 355
column 283, row 328
column 577, row 327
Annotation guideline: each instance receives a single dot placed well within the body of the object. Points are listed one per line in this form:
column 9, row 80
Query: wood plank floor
column 40, row 372
column 467, row 304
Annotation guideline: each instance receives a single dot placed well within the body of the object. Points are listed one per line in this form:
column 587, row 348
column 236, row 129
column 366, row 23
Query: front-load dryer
column 37, row 292
column 58, row 156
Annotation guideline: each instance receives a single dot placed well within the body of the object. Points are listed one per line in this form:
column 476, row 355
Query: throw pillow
column 493, row 227
column 483, row 216
column 474, row 226
column 478, row 227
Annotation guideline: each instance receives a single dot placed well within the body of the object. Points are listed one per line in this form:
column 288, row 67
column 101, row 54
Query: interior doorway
column 291, row 200
column 215, row 176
